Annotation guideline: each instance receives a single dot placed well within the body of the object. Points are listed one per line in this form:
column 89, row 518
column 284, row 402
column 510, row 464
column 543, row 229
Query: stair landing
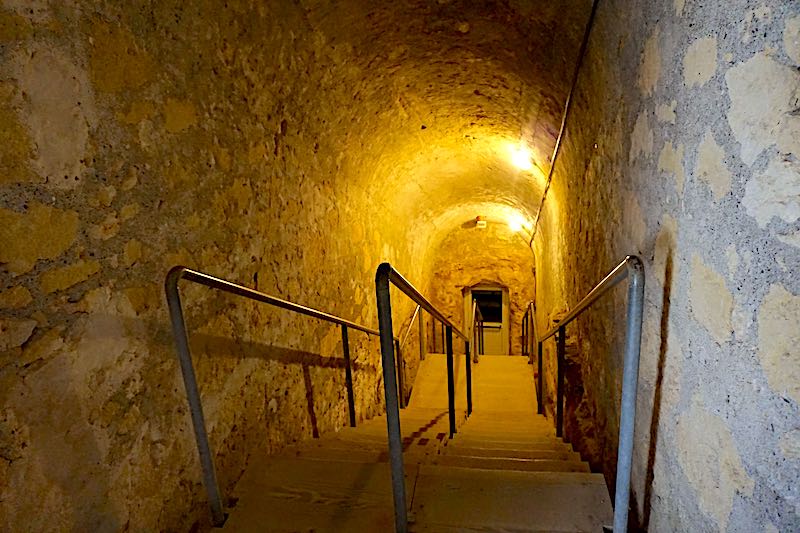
column 504, row 471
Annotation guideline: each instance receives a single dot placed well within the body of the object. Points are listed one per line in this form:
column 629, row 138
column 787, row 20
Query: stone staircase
column 505, row 470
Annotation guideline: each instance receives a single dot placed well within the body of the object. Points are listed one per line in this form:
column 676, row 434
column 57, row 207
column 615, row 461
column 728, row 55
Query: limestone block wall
column 683, row 149
column 494, row 255
column 141, row 135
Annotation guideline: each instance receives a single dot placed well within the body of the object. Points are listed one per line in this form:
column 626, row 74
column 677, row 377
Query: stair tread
column 498, row 500
column 512, row 463
column 467, row 442
column 290, row 494
column 511, row 453
column 505, row 470
column 357, row 456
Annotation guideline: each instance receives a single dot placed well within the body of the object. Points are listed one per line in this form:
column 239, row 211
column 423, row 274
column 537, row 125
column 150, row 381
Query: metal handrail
column 631, row 267
column 400, row 361
column 178, row 273
column 528, row 337
column 385, row 276
column 476, row 328
column 410, row 325
column 524, row 332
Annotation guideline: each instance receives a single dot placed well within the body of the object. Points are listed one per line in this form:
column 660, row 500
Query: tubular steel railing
column 410, row 326
column 400, row 361
column 190, row 380
column 441, row 334
column 528, row 340
column 385, row 276
column 632, row 268
column 528, row 332
column 476, row 329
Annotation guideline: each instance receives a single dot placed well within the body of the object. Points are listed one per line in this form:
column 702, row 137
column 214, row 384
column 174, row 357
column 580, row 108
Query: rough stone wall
column 494, row 255
column 683, row 148
column 290, row 146
column 137, row 136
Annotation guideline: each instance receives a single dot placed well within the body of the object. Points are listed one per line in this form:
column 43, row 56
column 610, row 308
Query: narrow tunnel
column 292, row 147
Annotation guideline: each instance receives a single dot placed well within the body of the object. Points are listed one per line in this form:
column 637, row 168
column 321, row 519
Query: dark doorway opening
column 490, row 304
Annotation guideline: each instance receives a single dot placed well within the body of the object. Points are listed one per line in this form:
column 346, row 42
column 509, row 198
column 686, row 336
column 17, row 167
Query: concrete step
column 511, row 453
column 474, row 431
column 484, row 441
column 505, row 470
column 510, row 463
column 465, row 499
column 370, row 443
column 430, row 387
column 503, row 384
column 348, row 455
column 464, row 443
column 406, row 430
column 281, row 495
column 510, row 419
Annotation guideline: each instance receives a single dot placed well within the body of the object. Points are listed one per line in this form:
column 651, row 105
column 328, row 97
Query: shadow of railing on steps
column 181, row 338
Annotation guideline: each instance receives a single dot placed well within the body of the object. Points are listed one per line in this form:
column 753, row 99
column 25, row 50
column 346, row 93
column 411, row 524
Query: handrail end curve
column 383, row 271
column 174, row 276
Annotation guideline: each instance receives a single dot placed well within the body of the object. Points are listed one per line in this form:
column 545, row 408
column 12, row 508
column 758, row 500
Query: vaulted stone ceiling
column 453, row 88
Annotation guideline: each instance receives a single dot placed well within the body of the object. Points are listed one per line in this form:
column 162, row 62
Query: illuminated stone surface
column 292, row 147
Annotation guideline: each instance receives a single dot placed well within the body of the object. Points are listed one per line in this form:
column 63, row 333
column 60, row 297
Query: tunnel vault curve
column 290, row 146
column 451, row 90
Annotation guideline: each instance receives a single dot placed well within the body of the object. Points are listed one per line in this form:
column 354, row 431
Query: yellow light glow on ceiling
column 517, row 223
column 522, row 158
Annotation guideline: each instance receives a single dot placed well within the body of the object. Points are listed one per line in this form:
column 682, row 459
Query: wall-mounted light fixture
column 518, row 223
column 522, row 158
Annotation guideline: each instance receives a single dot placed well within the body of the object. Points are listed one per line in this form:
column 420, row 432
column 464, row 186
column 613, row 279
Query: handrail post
column 391, row 398
column 560, row 361
column 633, row 269
column 401, row 378
column 475, row 343
column 451, row 392
column 180, row 336
column 539, row 388
column 531, row 333
column 193, row 395
column 421, row 336
column 630, row 377
column 348, row 378
column 469, row 378
column 525, row 335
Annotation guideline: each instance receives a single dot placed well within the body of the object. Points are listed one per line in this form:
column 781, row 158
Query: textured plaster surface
column 778, row 339
column 689, row 107
column 710, row 461
column 700, row 61
column 670, row 160
column 710, row 300
column 711, row 166
column 770, row 120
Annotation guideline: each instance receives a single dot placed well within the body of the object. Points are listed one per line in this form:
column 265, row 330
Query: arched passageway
column 293, row 146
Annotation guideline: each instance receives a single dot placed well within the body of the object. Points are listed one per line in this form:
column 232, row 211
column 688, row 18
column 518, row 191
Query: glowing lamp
column 517, row 223
column 521, row 158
